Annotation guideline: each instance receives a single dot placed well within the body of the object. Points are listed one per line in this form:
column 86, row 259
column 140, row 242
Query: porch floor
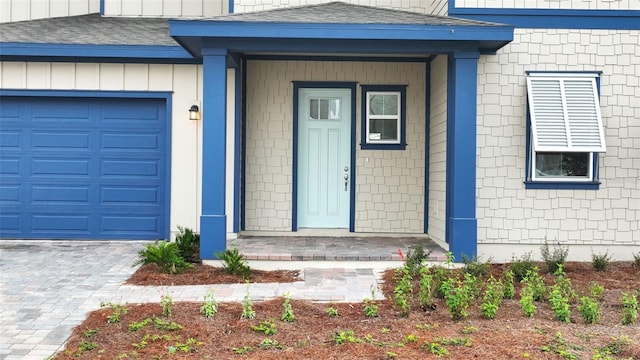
column 321, row 248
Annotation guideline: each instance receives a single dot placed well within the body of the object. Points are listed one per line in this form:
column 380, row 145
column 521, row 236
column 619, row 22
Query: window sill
column 563, row 185
column 383, row 146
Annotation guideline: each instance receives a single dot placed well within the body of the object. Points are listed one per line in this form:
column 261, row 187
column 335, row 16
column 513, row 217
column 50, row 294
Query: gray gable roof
column 90, row 29
column 343, row 13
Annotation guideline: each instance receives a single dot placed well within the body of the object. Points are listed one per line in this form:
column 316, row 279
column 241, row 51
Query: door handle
column 346, row 181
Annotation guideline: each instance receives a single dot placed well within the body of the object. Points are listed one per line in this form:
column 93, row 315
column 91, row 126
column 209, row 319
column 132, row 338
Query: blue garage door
column 82, row 168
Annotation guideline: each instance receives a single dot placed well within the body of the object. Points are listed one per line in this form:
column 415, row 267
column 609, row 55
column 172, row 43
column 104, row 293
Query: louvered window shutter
column 565, row 113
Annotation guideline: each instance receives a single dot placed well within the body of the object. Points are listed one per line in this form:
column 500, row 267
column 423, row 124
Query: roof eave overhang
column 195, row 35
column 94, row 53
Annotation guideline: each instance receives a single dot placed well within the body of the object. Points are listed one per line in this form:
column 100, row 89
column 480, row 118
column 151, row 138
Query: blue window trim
column 160, row 95
column 552, row 18
column 559, row 185
column 297, row 85
column 402, row 89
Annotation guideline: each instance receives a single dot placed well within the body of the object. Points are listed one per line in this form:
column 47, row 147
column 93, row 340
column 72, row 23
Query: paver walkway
column 48, row 287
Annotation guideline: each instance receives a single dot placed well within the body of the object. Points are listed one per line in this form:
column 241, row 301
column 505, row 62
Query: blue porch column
column 213, row 220
column 462, row 225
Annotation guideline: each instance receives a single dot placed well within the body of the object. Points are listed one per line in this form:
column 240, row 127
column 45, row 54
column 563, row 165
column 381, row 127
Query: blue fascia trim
column 265, row 30
column 403, row 117
column 81, row 52
column 297, row 85
column 161, row 95
column 554, row 18
column 562, row 185
column 398, row 59
column 595, row 72
column 231, row 6
column 102, row 7
column 243, row 144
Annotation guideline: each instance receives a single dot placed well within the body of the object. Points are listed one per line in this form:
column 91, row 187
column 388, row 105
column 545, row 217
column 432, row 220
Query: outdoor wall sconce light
column 194, row 112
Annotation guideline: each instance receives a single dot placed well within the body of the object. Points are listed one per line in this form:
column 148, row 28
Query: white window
column 383, row 117
column 566, row 126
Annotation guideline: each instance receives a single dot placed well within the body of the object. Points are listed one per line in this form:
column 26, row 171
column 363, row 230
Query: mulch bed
column 315, row 335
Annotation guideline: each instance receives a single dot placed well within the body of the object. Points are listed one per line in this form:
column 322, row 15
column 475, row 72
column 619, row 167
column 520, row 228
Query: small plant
column 242, row 350
column 465, row 341
column 287, row 314
column 509, row 288
column 234, row 263
column 167, row 325
column 188, row 243
column 554, row 257
column 90, row 333
column 135, row 326
column 271, row 344
column 475, row 267
column 425, row 293
column 561, row 347
column 527, row 302
column 589, row 310
column 520, row 266
column 416, row 256
column 267, row 327
column 164, row 255
column 458, row 296
column 560, row 296
column 247, row 306
column 166, row 301
column 534, row 281
column 118, row 310
column 436, row 348
column 369, row 306
column 210, row 307
column 345, row 337
column 191, row 345
column 616, row 347
column 636, row 260
column 332, row 312
column 629, row 308
column 596, row 290
column 601, row 262
column 492, row 298
column 470, row 329
column 403, row 292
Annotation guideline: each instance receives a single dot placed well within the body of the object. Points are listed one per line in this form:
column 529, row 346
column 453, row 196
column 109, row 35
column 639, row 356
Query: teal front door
column 324, row 158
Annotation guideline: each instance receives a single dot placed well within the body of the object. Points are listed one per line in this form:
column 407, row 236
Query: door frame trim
column 166, row 96
column 297, row 85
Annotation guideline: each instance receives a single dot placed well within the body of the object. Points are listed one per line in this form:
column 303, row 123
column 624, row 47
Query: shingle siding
column 509, row 214
column 552, row 4
column 389, row 184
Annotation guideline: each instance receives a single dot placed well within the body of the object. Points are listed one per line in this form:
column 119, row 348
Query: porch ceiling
column 341, row 28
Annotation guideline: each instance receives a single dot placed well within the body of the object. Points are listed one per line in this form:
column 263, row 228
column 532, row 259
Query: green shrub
column 534, row 281
column 426, row 288
column 188, row 243
column 416, row 256
column 589, row 310
column 509, row 288
column 492, row 298
column 520, row 266
column 474, row 267
column 234, row 263
column 554, row 257
column 403, row 291
column 601, row 262
column 527, row 304
column 636, row 260
column 165, row 255
column 458, row 295
column 629, row 308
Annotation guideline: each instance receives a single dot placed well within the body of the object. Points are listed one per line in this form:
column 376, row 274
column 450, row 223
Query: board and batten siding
column 166, row 8
column 22, row 10
column 551, row 4
column 389, row 184
column 185, row 83
column 438, row 149
column 513, row 220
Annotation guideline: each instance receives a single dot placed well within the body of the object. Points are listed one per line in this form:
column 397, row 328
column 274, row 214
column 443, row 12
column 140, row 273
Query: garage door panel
column 55, row 140
column 131, row 168
column 10, row 139
column 125, row 223
column 60, row 167
column 79, row 168
column 60, row 195
column 10, row 166
column 126, row 142
column 134, row 196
